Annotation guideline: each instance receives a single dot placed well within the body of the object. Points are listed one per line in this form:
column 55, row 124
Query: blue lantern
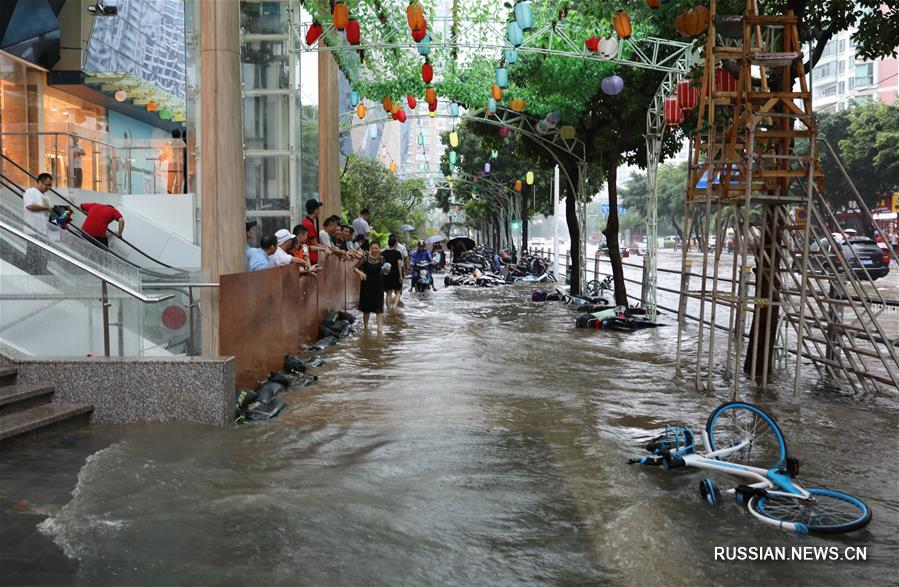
column 354, row 98
column 502, row 77
column 452, row 158
column 491, row 106
column 511, row 55
column 514, row 34
column 421, row 139
column 524, row 15
column 424, row 47
column 454, row 109
column 373, row 132
column 612, row 85
column 487, row 167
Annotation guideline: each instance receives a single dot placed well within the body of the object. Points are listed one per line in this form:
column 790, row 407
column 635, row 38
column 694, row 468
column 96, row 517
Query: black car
column 861, row 252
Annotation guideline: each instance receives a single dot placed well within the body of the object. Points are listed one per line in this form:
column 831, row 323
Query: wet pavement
column 480, row 440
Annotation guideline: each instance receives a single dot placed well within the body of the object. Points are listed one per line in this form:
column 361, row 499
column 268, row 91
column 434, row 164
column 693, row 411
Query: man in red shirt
column 98, row 218
column 310, row 222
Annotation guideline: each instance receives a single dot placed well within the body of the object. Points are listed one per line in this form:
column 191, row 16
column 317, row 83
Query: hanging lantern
column 654, row 4
column 424, row 46
column 120, row 96
column 503, row 132
column 427, row 72
column 373, row 132
column 692, row 22
column 432, row 109
column 152, row 107
column 341, row 15
column 454, row 139
column 418, row 35
column 592, row 44
column 487, row 167
column 518, row 185
column 354, row 98
column 454, row 109
column 502, row 77
column 494, row 153
column 517, row 104
column 724, row 80
column 541, row 127
column 394, row 107
column 567, row 132
column 608, row 48
column 491, row 106
column 622, row 25
column 360, row 111
column 393, row 167
column 353, row 34
column 400, row 115
column 524, row 15
column 496, row 92
column 612, row 85
column 421, row 138
column 687, row 95
column 529, row 177
column 313, row 33
column 415, row 15
column 387, row 103
column 165, row 114
column 510, row 55
column 452, row 158
column 552, row 119
column 514, row 34
column 673, row 113
column 410, row 100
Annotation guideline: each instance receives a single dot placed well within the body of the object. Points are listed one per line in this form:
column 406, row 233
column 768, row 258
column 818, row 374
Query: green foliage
column 392, row 202
column 871, row 150
column 671, row 182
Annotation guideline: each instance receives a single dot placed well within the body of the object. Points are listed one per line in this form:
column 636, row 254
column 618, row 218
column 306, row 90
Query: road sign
column 604, row 209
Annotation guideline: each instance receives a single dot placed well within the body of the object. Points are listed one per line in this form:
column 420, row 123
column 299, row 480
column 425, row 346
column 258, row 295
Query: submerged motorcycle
column 421, row 276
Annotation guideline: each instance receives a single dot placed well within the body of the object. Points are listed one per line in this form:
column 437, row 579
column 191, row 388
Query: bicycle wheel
column 827, row 512
column 592, row 288
column 735, row 422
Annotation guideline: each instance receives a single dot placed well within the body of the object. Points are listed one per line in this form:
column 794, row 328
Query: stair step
column 15, row 398
column 42, row 420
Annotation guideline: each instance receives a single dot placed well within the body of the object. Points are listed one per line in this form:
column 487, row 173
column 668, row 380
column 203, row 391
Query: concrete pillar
column 328, row 134
column 222, row 197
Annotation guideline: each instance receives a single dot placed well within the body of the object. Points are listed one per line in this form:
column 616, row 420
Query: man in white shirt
column 36, row 215
column 281, row 256
column 360, row 225
column 329, row 228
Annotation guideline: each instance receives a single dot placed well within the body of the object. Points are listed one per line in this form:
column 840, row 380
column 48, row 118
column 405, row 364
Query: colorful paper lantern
column 421, row 139
column 502, row 77
column 400, row 115
column 424, row 46
column 387, row 103
column 494, row 153
column 496, row 92
column 529, row 177
column 394, row 107
column 654, row 4
column 152, row 107
column 360, row 111
column 410, row 100
column 503, row 132
column 622, row 25
column 354, row 98
column 487, row 167
column 491, row 106
column 313, row 33
column 687, row 95
column 514, row 34
column 454, row 139
column 393, row 167
column 608, row 48
column 432, row 109
column 673, row 113
column 524, row 15
column 341, row 16
column 418, row 35
column 454, row 109
column 692, row 22
column 567, row 132
column 165, row 114
column 553, row 119
column 452, row 158
column 510, row 55
column 373, row 132
column 518, row 185
column 612, row 85
column 592, row 44
column 427, row 72
column 517, row 104
column 415, row 15
column 724, row 80
column 353, row 34
column 120, row 96
column 430, row 95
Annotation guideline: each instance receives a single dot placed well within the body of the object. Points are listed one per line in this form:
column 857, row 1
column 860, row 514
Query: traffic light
column 896, row 202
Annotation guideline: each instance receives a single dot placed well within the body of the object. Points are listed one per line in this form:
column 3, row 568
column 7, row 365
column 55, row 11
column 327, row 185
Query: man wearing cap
column 310, row 221
column 280, row 257
column 360, row 224
column 257, row 259
column 421, row 254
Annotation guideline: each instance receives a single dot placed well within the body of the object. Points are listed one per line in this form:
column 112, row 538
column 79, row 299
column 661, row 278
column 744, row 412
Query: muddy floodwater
column 481, row 440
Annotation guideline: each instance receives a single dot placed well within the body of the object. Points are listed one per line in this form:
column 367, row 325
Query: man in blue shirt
column 421, row 254
column 257, row 259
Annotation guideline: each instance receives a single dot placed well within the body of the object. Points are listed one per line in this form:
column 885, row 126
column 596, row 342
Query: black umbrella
column 469, row 244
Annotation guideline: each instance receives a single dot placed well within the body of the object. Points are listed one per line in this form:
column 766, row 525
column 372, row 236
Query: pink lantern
column 503, row 132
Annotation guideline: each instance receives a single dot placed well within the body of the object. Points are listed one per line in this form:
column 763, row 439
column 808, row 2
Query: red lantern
column 673, row 113
column 724, row 81
column 592, row 44
column 400, row 115
column 687, row 95
column 352, row 32
column 340, row 14
column 415, row 16
column 654, row 4
column 503, row 131
column 427, row 72
column 432, row 106
column 420, row 33
column 518, row 185
column 314, row 32
column 431, row 95
column 410, row 99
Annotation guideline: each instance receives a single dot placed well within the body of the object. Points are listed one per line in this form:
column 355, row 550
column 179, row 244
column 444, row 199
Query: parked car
column 861, row 252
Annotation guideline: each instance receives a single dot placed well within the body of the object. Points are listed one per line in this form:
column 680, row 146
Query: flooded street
column 480, row 440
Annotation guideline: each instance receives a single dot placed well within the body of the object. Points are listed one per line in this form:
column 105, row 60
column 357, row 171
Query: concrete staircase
column 27, row 412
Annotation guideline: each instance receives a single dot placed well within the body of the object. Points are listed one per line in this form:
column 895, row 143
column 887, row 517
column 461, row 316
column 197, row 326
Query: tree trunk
column 574, row 235
column 762, row 346
column 497, row 234
column 524, row 222
column 611, row 233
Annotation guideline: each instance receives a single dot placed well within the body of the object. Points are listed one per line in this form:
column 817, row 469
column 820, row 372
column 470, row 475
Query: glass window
column 842, row 45
column 268, row 182
column 263, row 17
column 265, row 122
column 841, row 88
column 841, row 67
column 264, row 65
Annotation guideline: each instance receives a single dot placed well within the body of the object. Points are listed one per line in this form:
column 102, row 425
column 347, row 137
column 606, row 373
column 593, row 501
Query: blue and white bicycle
column 744, row 442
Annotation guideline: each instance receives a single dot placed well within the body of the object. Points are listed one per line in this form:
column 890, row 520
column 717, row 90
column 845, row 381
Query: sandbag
column 294, row 365
column 265, row 411
column 279, row 378
column 244, row 398
column 268, row 390
column 346, row 317
column 323, row 343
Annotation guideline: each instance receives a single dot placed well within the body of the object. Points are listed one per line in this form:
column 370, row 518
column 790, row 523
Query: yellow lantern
column 529, row 178
column 360, row 110
column 432, row 114
column 393, row 167
column 567, row 132
column 454, row 139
